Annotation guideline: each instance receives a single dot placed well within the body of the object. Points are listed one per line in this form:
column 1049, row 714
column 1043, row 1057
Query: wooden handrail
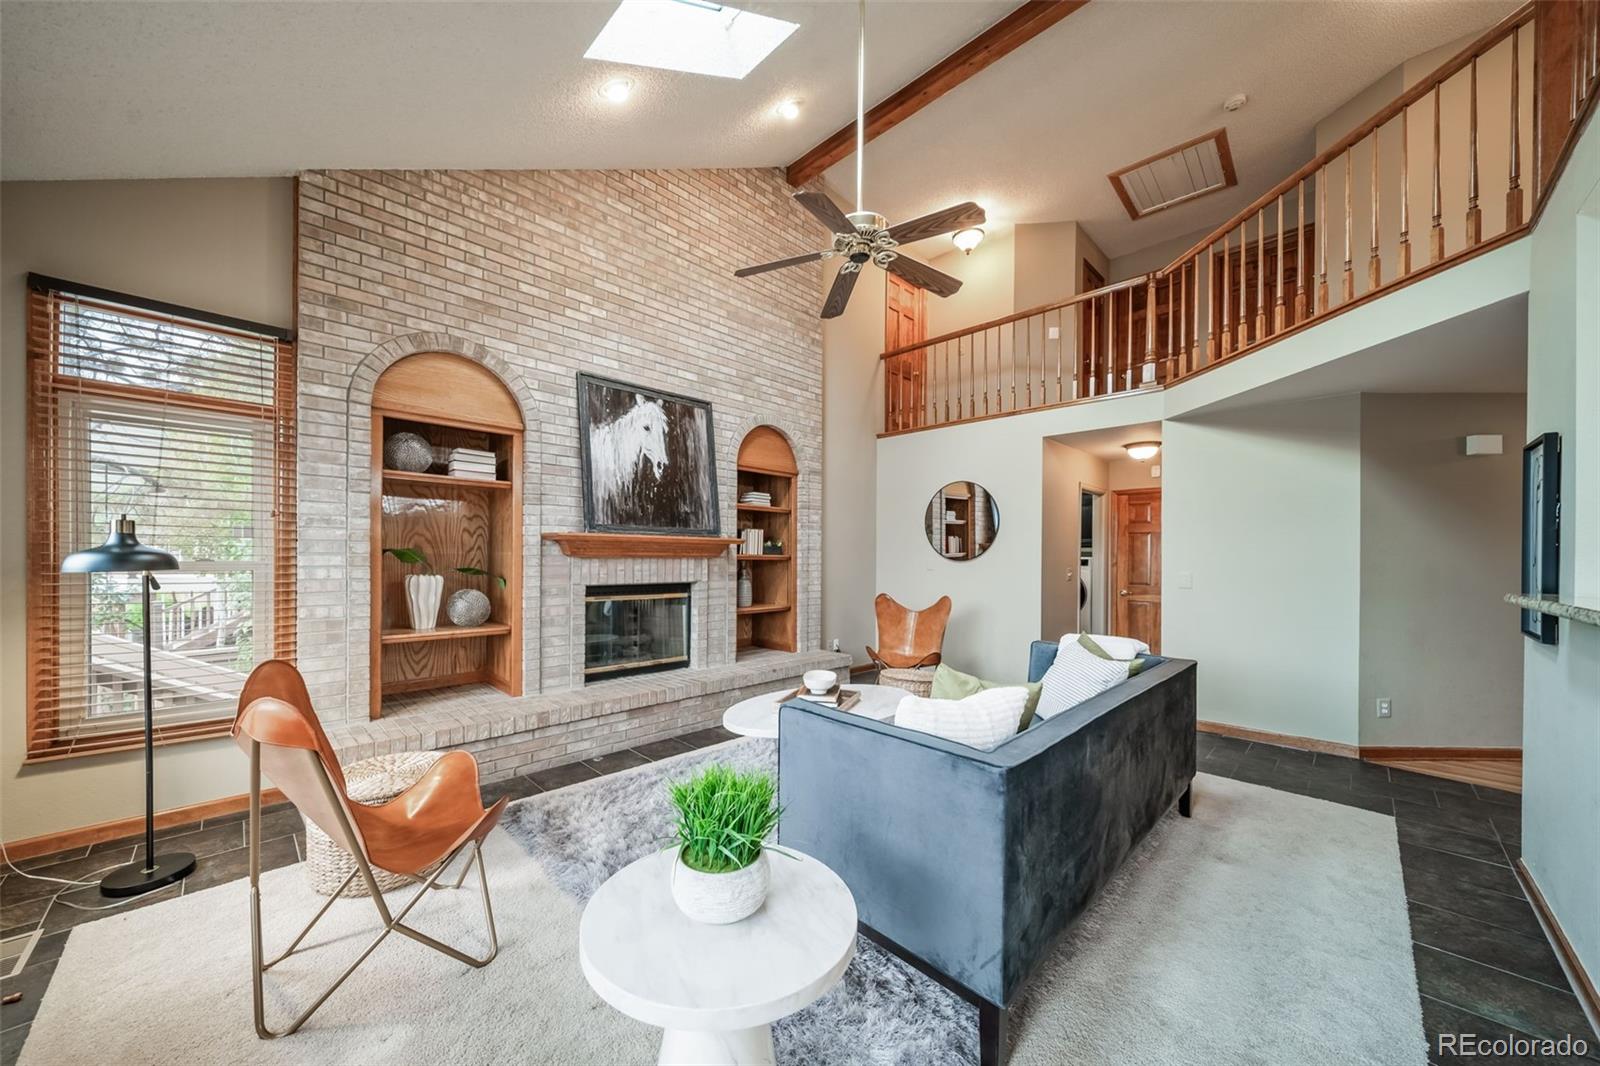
column 1082, row 297
column 1456, row 63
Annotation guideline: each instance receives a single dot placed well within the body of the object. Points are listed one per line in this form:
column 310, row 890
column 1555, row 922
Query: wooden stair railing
column 1524, row 86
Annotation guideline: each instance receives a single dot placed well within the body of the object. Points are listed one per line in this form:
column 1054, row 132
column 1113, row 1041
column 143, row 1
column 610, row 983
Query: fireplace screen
column 634, row 629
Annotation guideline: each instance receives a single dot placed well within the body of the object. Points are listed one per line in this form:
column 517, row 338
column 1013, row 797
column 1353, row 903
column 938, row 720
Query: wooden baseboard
column 1283, row 740
column 50, row 843
column 1582, row 984
column 864, row 668
column 1369, row 751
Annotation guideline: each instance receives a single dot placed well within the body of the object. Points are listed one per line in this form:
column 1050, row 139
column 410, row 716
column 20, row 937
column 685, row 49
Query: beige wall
column 218, row 245
column 1440, row 543
column 988, row 285
column 1128, row 474
column 1068, row 471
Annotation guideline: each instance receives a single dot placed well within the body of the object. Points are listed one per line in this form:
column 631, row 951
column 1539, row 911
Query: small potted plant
column 467, row 606
column 720, row 874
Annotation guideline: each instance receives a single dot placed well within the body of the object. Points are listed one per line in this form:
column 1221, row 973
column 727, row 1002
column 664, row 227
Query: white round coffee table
column 716, row 989
column 758, row 715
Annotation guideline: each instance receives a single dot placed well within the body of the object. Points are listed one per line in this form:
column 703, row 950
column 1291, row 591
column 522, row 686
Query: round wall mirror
column 962, row 520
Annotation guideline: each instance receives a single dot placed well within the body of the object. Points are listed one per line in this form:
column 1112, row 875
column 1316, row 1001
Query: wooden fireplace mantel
column 639, row 545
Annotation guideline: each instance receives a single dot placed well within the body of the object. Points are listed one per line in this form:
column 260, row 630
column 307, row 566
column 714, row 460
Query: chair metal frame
column 392, row 923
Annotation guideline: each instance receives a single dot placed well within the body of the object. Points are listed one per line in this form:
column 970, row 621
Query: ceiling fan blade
column 826, row 210
column 843, row 284
column 778, row 264
column 951, row 218
column 924, row 276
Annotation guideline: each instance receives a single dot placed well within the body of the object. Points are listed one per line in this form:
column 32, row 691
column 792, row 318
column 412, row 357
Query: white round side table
column 758, row 715
column 716, row 989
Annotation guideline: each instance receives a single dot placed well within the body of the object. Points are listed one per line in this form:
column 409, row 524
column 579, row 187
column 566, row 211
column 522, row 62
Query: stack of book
column 754, row 540
column 760, row 499
column 472, row 463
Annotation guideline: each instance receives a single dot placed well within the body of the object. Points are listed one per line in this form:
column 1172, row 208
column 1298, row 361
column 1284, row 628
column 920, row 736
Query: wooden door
column 905, row 321
column 1136, row 602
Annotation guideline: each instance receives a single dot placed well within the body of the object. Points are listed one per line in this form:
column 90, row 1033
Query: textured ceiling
column 157, row 89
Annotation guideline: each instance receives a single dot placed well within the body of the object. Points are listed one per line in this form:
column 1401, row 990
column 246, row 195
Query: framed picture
column 1541, row 531
column 649, row 464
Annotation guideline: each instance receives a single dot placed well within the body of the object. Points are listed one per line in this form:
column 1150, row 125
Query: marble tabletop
column 758, row 715
column 1578, row 611
column 652, row 962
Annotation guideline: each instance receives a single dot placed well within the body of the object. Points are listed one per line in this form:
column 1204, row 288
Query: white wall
column 1440, row 541
column 1561, row 684
column 1261, row 513
column 219, row 245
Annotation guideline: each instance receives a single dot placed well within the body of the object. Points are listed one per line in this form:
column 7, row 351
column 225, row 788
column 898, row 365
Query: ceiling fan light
column 968, row 239
column 1140, row 450
column 617, row 90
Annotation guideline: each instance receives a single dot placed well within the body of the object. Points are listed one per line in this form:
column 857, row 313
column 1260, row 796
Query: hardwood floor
column 1504, row 774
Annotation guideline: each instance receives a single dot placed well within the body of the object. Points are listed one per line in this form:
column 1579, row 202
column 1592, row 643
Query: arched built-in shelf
column 766, row 464
column 453, row 402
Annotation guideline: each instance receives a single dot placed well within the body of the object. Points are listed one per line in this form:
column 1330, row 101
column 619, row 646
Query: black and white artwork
column 1541, row 531
column 648, row 461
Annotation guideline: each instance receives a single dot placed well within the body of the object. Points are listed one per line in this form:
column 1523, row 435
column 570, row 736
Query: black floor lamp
column 123, row 554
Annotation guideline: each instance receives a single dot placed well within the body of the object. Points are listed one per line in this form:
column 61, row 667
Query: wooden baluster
column 1514, row 184
column 1374, row 264
column 1321, row 238
column 1279, row 310
column 946, row 347
column 1405, row 193
column 1302, row 261
column 1147, row 372
column 985, row 371
column 1061, row 344
column 1127, row 353
column 1349, row 222
column 1242, row 324
column 1436, row 234
column 1091, row 361
column 1226, row 347
column 1261, row 275
column 1181, row 353
column 1173, row 312
column 1013, row 366
column 972, row 381
column 1194, row 337
column 1474, row 213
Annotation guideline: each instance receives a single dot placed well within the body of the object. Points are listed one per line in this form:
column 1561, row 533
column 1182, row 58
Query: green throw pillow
column 952, row 684
column 1134, row 666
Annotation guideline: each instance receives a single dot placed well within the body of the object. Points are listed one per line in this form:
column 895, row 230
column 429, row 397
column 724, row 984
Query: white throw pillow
column 1116, row 647
column 983, row 720
column 1077, row 675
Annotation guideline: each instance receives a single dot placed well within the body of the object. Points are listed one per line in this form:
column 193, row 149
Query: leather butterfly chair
column 418, row 834
column 907, row 638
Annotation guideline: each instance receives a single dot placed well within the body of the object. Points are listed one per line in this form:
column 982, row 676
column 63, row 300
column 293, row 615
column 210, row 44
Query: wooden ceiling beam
column 990, row 46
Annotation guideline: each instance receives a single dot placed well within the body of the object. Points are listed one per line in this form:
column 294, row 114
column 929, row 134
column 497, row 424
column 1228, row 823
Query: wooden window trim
column 43, row 504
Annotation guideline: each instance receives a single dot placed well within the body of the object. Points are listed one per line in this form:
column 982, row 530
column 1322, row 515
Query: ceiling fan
column 866, row 236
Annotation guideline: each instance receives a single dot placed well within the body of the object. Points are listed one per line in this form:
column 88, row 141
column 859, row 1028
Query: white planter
column 721, row 899
column 422, row 597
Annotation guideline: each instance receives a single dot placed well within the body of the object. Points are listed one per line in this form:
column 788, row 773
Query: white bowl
column 819, row 681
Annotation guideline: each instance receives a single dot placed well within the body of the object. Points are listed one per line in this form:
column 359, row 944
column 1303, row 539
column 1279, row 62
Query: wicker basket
column 373, row 782
column 917, row 681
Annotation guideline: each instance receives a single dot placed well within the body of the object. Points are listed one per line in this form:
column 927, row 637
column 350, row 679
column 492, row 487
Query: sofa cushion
column 951, row 684
column 1077, row 675
column 983, row 720
column 1094, row 647
column 1124, row 648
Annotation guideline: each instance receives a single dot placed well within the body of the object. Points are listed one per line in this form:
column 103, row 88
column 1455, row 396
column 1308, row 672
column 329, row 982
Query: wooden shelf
column 639, row 545
column 402, row 477
column 766, row 464
column 412, row 636
column 764, row 608
column 762, row 508
column 763, row 558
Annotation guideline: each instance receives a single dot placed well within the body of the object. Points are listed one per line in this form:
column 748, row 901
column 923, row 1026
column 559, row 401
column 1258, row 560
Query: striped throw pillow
column 1075, row 676
column 983, row 720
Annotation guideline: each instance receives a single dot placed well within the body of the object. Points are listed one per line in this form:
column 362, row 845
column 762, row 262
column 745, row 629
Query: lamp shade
column 121, row 553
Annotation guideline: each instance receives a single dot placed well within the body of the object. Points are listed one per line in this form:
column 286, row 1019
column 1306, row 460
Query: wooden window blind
column 185, row 422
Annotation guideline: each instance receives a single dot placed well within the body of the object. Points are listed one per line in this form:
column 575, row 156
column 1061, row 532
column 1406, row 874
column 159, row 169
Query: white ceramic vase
column 422, row 597
column 721, row 899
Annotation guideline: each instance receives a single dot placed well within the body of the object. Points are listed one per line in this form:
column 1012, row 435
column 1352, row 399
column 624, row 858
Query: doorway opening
column 1092, row 562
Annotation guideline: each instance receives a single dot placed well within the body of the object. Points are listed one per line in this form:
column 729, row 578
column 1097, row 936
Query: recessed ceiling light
column 689, row 35
column 789, row 109
column 617, row 90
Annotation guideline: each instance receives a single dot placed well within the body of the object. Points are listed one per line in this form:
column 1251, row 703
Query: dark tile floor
column 1483, row 964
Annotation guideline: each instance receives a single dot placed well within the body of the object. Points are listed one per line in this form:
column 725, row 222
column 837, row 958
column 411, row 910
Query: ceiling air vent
column 1175, row 176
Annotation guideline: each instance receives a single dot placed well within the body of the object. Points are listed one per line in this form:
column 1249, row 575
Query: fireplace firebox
column 634, row 629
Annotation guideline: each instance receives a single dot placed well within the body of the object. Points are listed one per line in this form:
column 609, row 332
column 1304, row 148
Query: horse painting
column 647, row 459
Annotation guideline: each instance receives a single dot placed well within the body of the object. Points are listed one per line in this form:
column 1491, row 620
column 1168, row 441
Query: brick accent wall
column 539, row 275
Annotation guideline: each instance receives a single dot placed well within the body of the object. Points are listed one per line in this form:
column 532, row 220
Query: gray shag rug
column 1270, row 928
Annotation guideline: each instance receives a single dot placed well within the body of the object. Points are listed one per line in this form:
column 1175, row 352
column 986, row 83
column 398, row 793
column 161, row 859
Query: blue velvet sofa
column 969, row 864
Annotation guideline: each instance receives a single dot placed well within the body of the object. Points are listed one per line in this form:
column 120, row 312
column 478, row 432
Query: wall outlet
column 833, row 645
column 1385, row 707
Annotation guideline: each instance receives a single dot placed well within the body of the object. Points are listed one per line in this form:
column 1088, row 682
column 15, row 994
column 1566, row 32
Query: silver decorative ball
column 468, row 607
column 410, row 452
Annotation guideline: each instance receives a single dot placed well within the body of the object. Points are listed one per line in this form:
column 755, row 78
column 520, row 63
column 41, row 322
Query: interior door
column 905, row 322
column 1136, row 610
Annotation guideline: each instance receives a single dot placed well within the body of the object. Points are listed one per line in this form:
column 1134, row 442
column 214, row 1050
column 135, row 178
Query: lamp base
column 135, row 879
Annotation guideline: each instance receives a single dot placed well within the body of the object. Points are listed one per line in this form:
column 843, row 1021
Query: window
column 185, row 422
column 693, row 36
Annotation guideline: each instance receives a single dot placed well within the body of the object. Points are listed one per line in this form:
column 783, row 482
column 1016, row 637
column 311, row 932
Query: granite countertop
column 1587, row 612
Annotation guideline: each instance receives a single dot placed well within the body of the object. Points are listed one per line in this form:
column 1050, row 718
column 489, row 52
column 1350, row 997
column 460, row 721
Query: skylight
column 687, row 35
